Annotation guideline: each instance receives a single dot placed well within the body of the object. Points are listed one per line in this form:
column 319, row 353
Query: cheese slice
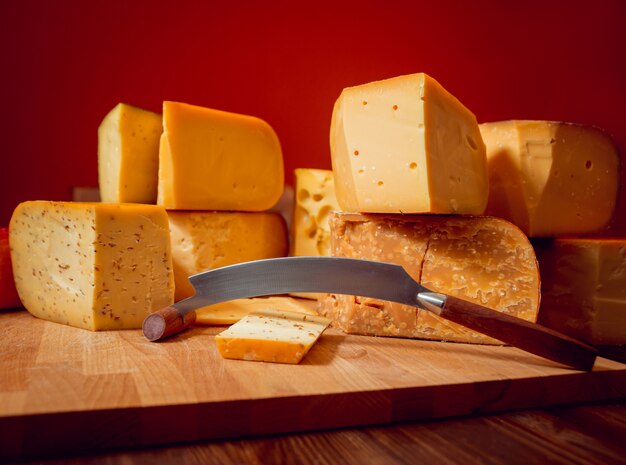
column 406, row 145
column 202, row 241
column 227, row 313
column 92, row 265
column 583, row 285
column 271, row 336
column 215, row 160
column 484, row 260
column 128, row 155
column 550, row 178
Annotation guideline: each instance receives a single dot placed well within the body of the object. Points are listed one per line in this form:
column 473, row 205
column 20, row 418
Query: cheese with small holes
column 215, row 160
column 406, row 145
column 202, row 241
column 271, row 336
column 549, row 178
column 483, row 260
column 583, row 287
column 128, row 155
column 96, row 266
column 227, row 313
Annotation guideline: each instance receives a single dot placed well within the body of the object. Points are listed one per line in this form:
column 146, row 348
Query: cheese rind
column 227, row 313
column 271, row 336
column 406, row 145
column 128, row 155
column 202, row 241
column 584, row 288
column 96, row 266
column 550, row 178
column 480, row 259
column 215, row 160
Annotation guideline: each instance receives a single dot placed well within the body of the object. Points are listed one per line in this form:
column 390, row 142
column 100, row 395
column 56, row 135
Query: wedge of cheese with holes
column 484, row 260
column 227, row 313
column 128, row 155
column 215, row 160
column 549, row 178
column 202, row 241
column 583, row 286
column 96, row 266
column 271, row 336
column 406, row 145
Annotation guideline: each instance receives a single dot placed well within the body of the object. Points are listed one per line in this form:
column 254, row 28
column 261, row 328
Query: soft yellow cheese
column 406, row 145
column 583, row 286
column 227, row 313
column 92, row 265
column 271, row 336
column 202, row 241
column 128, row 155
column 215, row 160
column 551, row 178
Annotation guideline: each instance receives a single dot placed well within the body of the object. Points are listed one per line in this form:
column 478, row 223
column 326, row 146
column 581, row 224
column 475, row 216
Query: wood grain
column 70, row 390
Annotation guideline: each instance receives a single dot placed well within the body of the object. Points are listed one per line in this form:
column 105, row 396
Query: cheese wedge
column 227, row 313
column 215, row 160
column 549, row 178
column 202, row 241
column 406, row 145
column 484, row 260
column 92, row 265
column 128, row 155
column 271, row 336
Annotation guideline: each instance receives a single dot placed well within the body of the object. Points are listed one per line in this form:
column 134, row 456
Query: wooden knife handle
column 519, row 333
column 166, row 322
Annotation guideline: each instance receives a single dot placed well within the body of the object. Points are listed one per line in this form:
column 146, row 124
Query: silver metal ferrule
column 432, row 301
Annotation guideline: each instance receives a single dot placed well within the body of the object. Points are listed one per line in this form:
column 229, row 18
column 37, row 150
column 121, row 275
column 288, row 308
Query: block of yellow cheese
column 92, row 265
column 215, row 160
column 406, row 145
column 583, row 287
column 202, row 241
column 484, row 260
column 128, row 155
column 227, row 313
column 271, row 336
column 550, row 178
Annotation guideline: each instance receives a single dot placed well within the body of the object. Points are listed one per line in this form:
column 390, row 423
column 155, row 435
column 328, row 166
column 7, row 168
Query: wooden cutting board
column 64, row 389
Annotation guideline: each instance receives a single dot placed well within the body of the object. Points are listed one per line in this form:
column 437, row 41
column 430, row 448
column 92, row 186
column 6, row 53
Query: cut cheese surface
column 271, row 336
column 128, row 155
column 551, row 178
column 583, row 285
column 202, row 241
column 215, row 160
column 480, row 259
column 226, row 313
column 92, row 265
column 406, row 145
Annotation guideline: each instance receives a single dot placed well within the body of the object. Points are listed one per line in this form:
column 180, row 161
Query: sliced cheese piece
column 550, row 178
column 271, row 336
column 406, row 145
column 227, row 313
column 215, row 160
column 128, row 155
column 480, row 259
column 92, row 265
column 583, row 286
column 202, row 241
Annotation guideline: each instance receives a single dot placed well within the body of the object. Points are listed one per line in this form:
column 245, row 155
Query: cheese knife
column 366, row 278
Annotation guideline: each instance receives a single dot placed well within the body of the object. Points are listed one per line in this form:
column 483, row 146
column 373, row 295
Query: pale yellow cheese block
column 550, row 178
column 128, row 155
column 92, row 265
column 216, row 160
column 271, row 336
column 227, row 313
column 202, row 241
column 406, row 145
column 583, row 286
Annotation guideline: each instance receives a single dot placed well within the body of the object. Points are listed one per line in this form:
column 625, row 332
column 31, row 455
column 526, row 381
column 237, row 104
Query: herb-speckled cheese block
column 96, row 266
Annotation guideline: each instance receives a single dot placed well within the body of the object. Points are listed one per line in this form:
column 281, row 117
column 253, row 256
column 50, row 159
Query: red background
column 65, row 64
